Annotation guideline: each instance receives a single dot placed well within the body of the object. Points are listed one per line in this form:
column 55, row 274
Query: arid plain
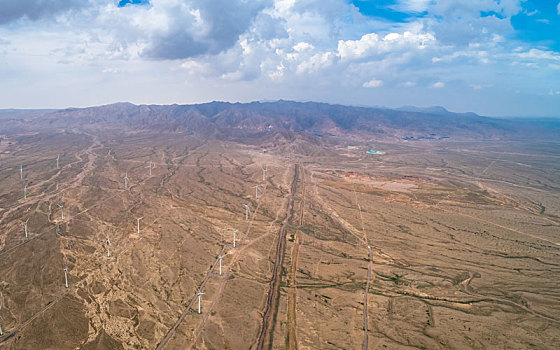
column 434, row 244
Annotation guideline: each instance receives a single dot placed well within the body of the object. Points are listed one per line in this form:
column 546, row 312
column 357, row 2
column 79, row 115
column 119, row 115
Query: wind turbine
column 199, row 295
column 108, row 243
column 138, row 223
column 220, row 257
column 61, row 210
column 150, row 167
column 126, row 180
column 246, row 212
column 234, row 238
column 26, row 228
column 264, row 173
column 66, row 276
column 256, row 191
column 21, row 172
column 57, row 159
column 1, row 331
column 25, row 192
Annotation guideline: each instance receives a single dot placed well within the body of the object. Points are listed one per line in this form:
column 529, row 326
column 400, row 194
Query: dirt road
column 272, row 300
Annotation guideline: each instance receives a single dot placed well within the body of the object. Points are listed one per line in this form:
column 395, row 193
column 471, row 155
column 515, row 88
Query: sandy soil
column 437, row 244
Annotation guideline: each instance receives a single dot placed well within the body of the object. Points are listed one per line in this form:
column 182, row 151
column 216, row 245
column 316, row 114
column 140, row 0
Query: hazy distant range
column 222, row 119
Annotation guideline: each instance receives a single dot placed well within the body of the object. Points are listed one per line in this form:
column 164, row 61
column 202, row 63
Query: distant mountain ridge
column 259, row 118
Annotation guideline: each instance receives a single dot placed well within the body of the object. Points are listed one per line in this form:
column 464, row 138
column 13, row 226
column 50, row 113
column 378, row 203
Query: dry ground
column 435, row 244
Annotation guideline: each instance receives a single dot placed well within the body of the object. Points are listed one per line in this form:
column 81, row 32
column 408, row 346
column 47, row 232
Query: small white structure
column 108, row 244
column 26, row 228
column 199, row 296
column 138, row 223
column 66, row 276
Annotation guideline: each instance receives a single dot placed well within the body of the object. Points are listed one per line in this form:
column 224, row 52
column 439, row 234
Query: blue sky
column 493, row 57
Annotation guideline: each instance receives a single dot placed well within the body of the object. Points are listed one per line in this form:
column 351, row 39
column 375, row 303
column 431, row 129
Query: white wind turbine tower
column 246, row 212
column 256, row 191
column 1, row 331
column 126, row 180
column 264, row 173
column 220, row 257
column 25, row 192
column 26, row 228
column 61, row 210
column 150, row 167
column 138, row 223
column 57, row 160
column 108, row 243
column 199, row 295
column 21, row 172
column 66, row 276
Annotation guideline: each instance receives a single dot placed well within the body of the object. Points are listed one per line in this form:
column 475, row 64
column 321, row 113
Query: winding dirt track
column 189, row 306
column 292, row 283
column 88, row 167
column 210, row 273
column 272, row 300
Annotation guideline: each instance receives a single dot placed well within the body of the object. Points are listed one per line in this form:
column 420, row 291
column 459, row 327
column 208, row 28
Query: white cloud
column 559, row 8
column 537, row 54
column 113, row 70
column 413, row 5
column 532, row 13
column 479, row 55
column 374, row 83
column 302, row 46
column 315, row 63
column 371, row 44
column 189, row 50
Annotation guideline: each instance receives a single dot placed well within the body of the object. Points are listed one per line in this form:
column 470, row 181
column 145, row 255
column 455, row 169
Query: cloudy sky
column 493, row 57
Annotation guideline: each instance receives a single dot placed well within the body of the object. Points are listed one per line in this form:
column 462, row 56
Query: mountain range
column 224, row 119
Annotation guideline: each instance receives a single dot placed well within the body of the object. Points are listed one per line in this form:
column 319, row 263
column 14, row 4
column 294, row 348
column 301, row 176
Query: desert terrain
column 439, row 243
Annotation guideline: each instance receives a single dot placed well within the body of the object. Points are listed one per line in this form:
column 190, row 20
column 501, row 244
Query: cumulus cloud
column 464, row 22
column 559, row 8
column 201, row 27
column 319, row 48
column 537, row 54
column 373, row 83
column 12, row 10
column 371, row 44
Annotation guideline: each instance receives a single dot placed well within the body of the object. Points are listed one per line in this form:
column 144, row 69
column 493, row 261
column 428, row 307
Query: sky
column 491, row 57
